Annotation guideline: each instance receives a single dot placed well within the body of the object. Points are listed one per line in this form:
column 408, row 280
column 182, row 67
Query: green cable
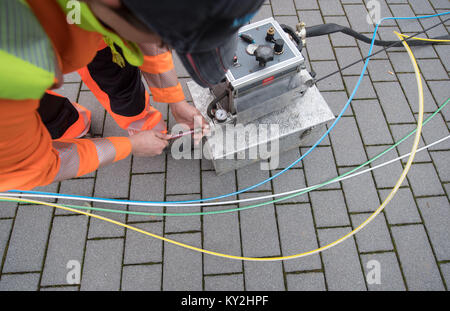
column 263, row 203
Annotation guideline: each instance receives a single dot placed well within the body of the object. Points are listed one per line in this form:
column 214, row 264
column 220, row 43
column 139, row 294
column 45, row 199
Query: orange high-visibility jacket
column 38, row 43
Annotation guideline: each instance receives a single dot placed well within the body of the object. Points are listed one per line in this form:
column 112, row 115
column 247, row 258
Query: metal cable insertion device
column 267, row 88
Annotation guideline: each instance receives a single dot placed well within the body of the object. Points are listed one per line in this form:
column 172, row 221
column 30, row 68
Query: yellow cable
column 367, row 221
column 422, row 39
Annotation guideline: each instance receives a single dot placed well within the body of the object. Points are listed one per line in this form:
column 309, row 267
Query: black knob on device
column 264, row 54
column 279, row 46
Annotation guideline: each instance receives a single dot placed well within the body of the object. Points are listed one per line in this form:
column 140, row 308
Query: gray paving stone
column 441, row 161
column 441, row 93
column 418, row 263
column 319, row 48
column 53, row 187
column 342, row 264
column 28, row 240
column 264, row 12
column 213, row 185
column 102, row 265
column 290, row 180
column 375, row 236
column 221, row 233
column 340, row 39
column 332, row 83
column 69, row 90
column 310, row 17
column 182, row 267
column 436, row 215
column 445, row 268
column 401, row 62
column 365, row 90
column 19, row 282
column 263, row 276
column 183, row 167
column 5, row 232
column 306, row 282
column 360, row 192
column 409, row 85
column 297, row 234
column 320, row 167
column 424, row 180
column 7, row 209
column 88, row 100
column 432, row 69
column 386, row 176
column 288, row 157
column 67, row 240
column 59, row 289
column 283, row 7
column 371, row 122
column 381, row 70
column 421, row 7
column 253, row 174
column 329, row 208
column 149, row 187
column 234, row 282
column 402, row 209
column 82, row 187
column 101, row 229
column 306, row 4
column 259, row 224
column 346, row 56
column 390, row 274
column 155, row 164
column 72, row 77
column 401, row 130
column 412, row 25
column 347, row 144
column 331, row 7
column 393, row 102
column 140, row 248
column 357, row 18
column 336, row 101
column 364, row 47
column 385, row 12
column 435, row 130
column 113, row 180
column 443, row 51
column 141, row 278
column 183, row 224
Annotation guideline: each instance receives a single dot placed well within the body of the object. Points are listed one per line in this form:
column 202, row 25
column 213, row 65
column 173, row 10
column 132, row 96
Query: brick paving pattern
column 410, row 239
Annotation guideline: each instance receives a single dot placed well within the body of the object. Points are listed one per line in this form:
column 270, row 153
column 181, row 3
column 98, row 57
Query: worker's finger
column 163, row 136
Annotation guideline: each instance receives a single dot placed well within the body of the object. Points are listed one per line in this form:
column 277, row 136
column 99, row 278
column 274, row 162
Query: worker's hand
column 190, row 117
column 149, row 143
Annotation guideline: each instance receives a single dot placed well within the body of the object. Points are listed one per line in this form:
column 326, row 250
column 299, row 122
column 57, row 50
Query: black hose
column 325, row 29
column 290, row 31
column 213, row 104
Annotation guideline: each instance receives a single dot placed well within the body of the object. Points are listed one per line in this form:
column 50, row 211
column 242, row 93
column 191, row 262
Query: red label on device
column 268, row 80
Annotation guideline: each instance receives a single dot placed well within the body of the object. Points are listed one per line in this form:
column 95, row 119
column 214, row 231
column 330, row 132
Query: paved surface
column 410, row 239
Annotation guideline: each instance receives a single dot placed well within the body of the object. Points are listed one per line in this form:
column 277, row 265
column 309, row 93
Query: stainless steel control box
column 255, row 91
column 281, row 93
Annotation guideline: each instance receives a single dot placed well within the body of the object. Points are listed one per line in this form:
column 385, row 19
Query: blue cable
column 284, row 170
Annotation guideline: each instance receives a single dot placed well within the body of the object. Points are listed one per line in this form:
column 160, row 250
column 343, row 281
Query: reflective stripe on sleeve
column 106, row 152
column 69, row 160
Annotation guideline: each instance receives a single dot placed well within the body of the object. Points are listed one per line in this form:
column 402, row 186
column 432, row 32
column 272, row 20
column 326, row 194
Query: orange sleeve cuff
column 169, row 95
column 122, row 146
column 158, row 63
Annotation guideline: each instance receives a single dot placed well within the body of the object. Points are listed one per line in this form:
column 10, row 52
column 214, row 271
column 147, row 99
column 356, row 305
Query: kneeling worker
column 108, row 45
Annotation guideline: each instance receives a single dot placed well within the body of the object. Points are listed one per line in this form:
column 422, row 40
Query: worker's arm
column 29, row 158
column 159, row 72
